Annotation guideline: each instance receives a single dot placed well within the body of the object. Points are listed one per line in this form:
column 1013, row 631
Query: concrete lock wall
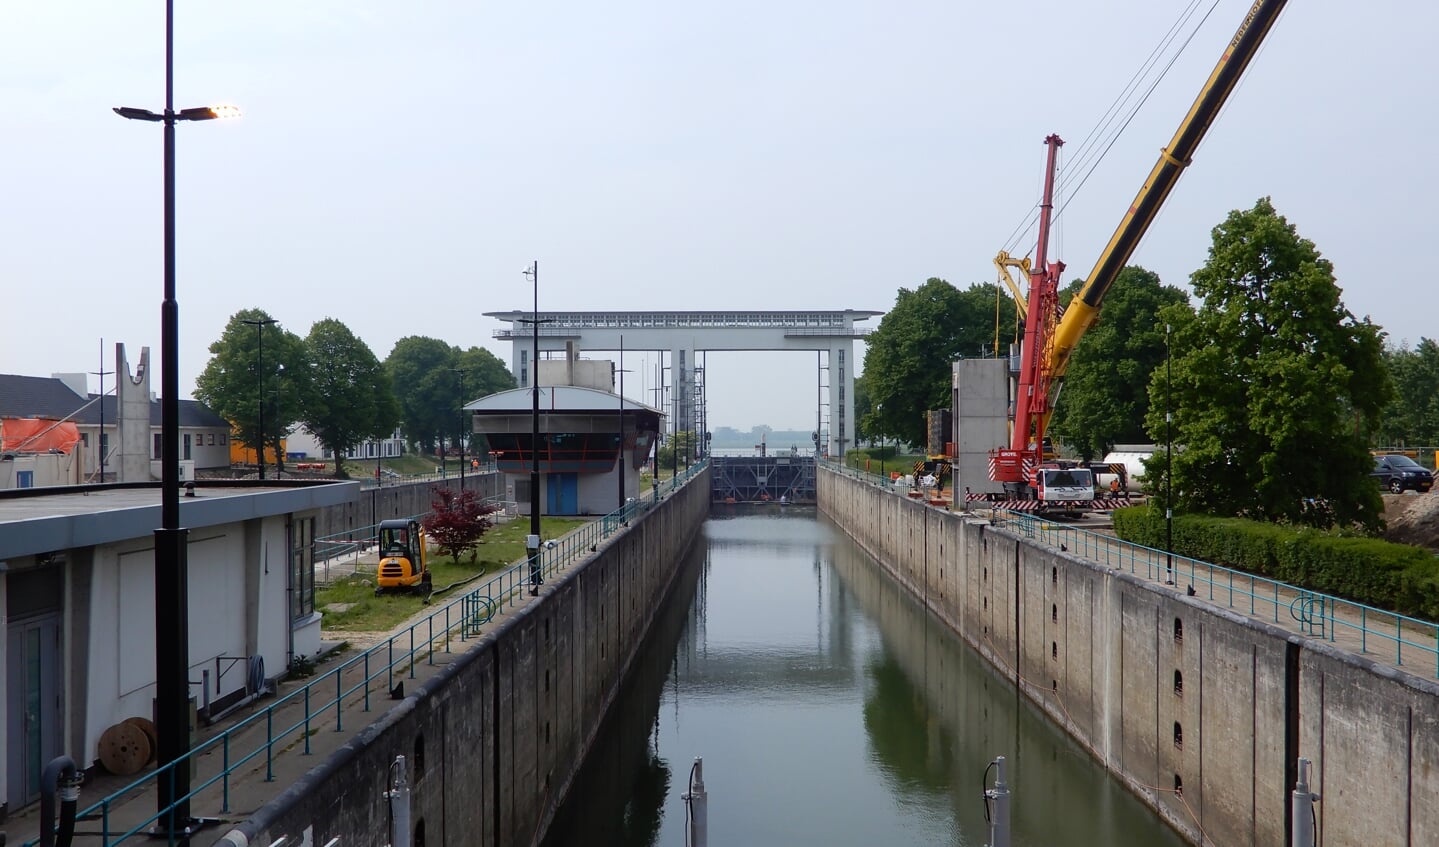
column 1166, row 690
column 494, row 739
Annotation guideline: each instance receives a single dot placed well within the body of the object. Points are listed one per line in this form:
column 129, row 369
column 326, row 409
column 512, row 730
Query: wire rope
column 1127, row 121
column 1103, row 135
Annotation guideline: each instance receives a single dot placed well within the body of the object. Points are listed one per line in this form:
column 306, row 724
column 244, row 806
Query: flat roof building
column 77, row 586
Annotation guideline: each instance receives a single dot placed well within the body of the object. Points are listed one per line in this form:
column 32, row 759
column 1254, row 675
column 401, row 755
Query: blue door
column 564, row 493
column 32, row 694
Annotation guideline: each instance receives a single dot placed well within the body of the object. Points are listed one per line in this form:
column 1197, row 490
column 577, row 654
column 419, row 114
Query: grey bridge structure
column 687, row 335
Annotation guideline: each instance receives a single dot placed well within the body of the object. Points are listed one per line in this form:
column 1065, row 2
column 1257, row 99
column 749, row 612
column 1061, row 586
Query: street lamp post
column 460, row 376
column 1168, row 463
column 621, row 462
column 172, row 625
column 532, row 543
column 879, row 408
column 259, row 324
column 100, row 438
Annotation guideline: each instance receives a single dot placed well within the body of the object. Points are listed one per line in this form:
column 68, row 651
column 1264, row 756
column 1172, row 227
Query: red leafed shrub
column 457, row 520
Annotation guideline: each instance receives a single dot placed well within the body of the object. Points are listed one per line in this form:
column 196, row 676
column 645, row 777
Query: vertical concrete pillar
column 841, row 398
column 132, row 404
column 682, row 382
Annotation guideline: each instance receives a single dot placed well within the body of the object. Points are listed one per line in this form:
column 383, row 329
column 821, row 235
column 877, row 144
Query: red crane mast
column 1014, row 465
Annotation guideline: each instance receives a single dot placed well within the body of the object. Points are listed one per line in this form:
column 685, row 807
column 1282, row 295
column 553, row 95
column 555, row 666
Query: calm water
column 830, row 710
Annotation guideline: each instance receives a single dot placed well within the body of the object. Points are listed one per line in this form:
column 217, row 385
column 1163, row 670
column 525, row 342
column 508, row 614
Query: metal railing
column 332, row 550
column 1316, row 614
column 368, row 482
column 291, row 720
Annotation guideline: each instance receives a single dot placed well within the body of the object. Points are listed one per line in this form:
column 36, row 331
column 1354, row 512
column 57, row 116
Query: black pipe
column 61, row 767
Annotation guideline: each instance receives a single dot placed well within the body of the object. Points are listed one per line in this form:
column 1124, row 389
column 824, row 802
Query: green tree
column 419, row 369
column 234, row 388
column 685, row 442
column 350, row 397
column 1106, row 391
column 1412, row 418
column 1271, row 376
column 907, row 363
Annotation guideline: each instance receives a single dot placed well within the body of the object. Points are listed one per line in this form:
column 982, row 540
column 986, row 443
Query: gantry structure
column 686, row 335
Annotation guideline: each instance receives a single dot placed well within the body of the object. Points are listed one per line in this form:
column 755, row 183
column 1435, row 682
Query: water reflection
column 830, row 709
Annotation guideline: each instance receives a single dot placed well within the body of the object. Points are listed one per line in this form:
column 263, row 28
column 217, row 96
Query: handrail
column 323, row 698
column 1316, row 614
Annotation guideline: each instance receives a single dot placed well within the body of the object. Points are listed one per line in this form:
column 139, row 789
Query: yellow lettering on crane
column 1244, row 27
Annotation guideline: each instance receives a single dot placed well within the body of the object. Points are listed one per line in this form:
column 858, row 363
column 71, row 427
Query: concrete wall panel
column 1106, row 641
column 505, row 724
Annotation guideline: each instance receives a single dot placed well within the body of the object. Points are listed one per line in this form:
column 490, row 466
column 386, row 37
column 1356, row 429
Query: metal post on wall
column 996, row 806
column 1301, row 812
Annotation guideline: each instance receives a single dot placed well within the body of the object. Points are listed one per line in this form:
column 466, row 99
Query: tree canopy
column 350, row 397
column 419, row 368
column 1413, row 416
column 434, row 380
column 1273, row 381
column 1106, row 391
column 234, row 387
column 907, row 365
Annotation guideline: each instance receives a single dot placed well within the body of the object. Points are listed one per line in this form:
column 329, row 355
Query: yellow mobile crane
column 1049, row 338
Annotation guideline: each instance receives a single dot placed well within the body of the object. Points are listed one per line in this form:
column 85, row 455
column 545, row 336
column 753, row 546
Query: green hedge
column 1398, row 577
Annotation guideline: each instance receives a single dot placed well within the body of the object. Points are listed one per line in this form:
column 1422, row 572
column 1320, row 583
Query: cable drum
column 255, row 681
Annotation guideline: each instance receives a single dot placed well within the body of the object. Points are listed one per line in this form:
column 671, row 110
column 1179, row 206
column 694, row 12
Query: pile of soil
column 1413, row 519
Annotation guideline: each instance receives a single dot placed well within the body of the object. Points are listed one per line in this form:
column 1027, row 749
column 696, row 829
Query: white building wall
column 122, row 625
column 4, row 701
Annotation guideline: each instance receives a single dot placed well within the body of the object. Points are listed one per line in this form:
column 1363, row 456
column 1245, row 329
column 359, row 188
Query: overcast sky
column 398, row 165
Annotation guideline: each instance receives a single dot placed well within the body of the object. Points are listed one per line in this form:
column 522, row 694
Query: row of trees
column 330, row 382
column 1277, row 390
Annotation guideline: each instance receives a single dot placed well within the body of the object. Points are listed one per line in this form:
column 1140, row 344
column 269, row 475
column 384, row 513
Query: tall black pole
column 172, row 614
column 880, row 409
column 675, row 405
column 533, row 542
column 260, row 390
column 100, row 440
column 1168, row 461
column 259, row 324
column 460, row 375
column 621, row 462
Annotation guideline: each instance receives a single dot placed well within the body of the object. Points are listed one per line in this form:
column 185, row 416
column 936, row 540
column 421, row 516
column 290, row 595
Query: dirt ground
column 1413, row 519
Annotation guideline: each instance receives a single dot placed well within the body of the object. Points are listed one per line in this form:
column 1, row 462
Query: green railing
column 358, row 680
column 1398, row 637
column 1404, row 640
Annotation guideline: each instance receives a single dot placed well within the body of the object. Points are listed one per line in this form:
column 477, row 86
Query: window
column 222, row 439
column 186, row 453
column 85, row 438
column 210, row 440
column 302, row 568
column 104, row 444
column 158, row 451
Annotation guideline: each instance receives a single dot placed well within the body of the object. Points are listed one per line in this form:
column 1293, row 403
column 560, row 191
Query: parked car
column 1400, row 473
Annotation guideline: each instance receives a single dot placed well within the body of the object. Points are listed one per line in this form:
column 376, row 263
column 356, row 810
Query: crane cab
column 1058, row 482
column 402, row 558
